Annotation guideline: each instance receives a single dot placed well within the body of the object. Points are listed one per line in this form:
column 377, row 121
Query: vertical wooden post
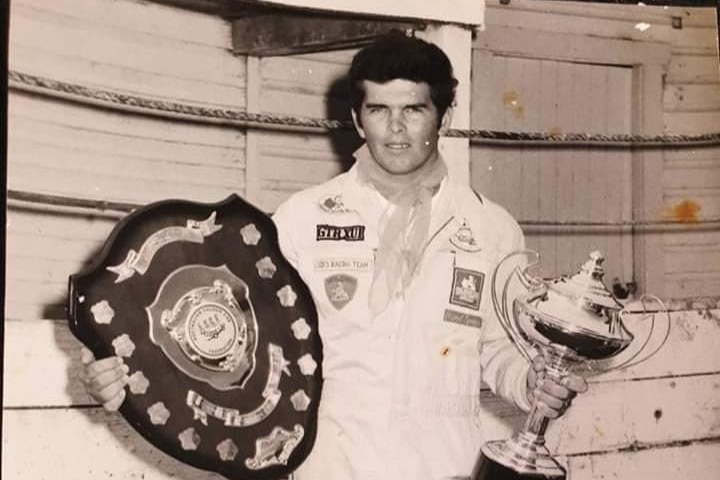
column 253, row 187
column 456, row 42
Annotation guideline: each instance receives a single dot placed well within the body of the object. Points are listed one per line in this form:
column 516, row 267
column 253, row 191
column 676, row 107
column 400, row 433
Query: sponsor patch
column 333, row 204
column 340, row 289
column 342, row 263
column 466, row 288
column 349, row 233
column 462, row 318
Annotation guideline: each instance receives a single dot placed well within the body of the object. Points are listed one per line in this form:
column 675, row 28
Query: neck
column 390, row 185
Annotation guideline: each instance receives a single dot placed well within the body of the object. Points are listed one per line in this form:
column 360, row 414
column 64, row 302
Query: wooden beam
column 456, row 42
column 286, row 33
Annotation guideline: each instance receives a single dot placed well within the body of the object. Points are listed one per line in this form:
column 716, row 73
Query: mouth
column 397, row 146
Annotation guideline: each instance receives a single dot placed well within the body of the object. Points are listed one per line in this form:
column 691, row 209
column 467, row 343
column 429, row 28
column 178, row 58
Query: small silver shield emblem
column 340, row 289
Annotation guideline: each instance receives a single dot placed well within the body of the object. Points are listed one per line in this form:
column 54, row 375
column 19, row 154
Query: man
column 398, row 257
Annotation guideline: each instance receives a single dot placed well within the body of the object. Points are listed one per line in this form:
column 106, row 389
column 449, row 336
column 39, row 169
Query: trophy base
column 521, row 457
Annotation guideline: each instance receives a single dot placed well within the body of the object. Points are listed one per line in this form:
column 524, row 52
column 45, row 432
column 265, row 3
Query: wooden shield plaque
column 218, row 330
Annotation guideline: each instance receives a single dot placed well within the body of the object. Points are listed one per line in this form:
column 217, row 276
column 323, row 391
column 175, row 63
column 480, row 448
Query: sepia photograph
column 361, row 240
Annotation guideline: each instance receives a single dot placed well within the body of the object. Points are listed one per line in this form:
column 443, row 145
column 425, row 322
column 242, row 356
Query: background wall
column 589, row 85
column 658, row 420
column 51, row 429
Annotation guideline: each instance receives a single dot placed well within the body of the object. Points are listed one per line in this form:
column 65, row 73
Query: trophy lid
column 577, row 312
column 587, row 284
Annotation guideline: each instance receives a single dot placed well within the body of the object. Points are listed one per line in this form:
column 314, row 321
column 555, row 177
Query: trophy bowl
column 572, row 320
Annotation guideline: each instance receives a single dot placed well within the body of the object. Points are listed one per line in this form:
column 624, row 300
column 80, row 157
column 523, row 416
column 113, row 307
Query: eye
column 376, row 109
column 413, row 110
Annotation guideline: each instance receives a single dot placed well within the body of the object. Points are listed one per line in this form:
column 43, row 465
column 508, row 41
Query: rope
column 71, row 202
column 238, row 118
column 104, row 206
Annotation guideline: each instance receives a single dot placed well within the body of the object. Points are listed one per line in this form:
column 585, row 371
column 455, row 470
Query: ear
column 446, row 120
column 358, row 128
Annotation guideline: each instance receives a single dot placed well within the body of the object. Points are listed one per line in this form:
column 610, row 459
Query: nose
column 397, row 121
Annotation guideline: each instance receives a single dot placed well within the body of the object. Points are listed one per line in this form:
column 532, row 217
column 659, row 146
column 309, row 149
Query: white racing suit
column 400, row 398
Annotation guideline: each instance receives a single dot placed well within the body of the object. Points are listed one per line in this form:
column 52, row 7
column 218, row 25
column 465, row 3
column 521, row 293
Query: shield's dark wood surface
column 218, row 330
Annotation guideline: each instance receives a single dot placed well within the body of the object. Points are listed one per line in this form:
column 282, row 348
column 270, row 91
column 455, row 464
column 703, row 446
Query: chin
column 398, row 169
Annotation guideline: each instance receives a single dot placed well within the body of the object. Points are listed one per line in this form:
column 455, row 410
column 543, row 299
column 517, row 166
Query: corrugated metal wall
column 636, row 425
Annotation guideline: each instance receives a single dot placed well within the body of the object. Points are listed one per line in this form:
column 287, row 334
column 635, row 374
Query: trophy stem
column 525, row 456
column 555, row 368
column 536, row 423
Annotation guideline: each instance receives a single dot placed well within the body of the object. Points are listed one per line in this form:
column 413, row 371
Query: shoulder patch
column 340, row 289
column 333, row 203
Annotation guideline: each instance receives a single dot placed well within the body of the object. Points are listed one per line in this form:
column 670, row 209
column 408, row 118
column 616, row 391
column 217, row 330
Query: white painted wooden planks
column 70, row 149
column 695, row 17
column 688, row 123
column 43, row 249
column 42, row 365
column 607, row 418
column 48, row 346
column 693, row 69
column 690, row 108
column 303, row 84
column 466, row 12
column 691, row 178
column 589, row 21
column 83, row 444
column 125, row 46
column 139, row 16
column 662, row 463
column 692, row 95
column 619, row 415
column 692, row 98
column 308, row 85
column 163, row 159
column 545, row 95
column 42, row 442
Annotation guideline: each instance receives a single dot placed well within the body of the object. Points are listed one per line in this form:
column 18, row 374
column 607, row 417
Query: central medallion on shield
column 203, row 321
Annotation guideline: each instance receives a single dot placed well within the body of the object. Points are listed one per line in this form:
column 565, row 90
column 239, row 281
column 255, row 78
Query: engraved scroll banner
column 215, row 327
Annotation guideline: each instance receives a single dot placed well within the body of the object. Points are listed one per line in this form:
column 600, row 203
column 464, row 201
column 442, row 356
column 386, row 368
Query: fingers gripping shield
column 218, row 331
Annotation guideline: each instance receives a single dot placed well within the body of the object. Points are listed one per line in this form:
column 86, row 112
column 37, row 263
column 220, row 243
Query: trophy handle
column 501, row 304
column 633, row 359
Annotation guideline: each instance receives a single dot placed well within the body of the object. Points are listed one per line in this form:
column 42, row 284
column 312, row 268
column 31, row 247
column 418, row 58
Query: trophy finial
column 593, row 267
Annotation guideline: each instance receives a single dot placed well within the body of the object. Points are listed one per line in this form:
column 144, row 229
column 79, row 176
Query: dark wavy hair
column 397, row 56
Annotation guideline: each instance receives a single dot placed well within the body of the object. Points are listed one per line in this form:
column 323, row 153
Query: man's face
column 399, row 123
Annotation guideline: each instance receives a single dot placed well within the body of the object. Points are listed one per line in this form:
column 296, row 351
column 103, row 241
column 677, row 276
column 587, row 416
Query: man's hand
column 104, row 379
column 553, row 396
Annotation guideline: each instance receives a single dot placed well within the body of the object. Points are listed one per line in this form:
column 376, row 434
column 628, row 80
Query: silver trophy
column 577, row 324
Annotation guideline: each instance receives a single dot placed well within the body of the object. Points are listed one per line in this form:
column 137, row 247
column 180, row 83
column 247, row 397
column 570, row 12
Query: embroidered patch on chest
column 349, row 233
column 467, row 288
column 332, row 204
column 340, row 289
column 464, row 240
column 454, row 316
